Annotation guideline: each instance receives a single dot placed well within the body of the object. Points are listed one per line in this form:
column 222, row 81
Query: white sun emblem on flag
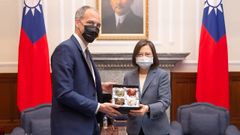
column 213, row 5
column 32, row 5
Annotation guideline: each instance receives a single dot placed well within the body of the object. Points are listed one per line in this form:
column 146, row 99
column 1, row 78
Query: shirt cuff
column 98, row 106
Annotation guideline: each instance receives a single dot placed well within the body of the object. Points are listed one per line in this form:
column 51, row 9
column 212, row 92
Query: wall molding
column 124, row 60
column 232, row 62
column 8, row 64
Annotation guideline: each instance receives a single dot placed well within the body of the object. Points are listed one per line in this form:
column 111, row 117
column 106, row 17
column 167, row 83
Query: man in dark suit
column 77, row 88
column 123, row 20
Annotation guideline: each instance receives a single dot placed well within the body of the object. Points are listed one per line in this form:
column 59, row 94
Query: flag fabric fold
column 34, row 79
column 212, row 77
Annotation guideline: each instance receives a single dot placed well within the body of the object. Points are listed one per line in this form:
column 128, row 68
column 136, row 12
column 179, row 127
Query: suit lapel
column 79, row 48
column 135, row 76
column 83, row 57
column 76, row 43
column 148, row 80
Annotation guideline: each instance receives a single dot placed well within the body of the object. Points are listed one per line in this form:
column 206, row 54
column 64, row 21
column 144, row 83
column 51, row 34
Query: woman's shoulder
column 131, row 73
column 160, row 71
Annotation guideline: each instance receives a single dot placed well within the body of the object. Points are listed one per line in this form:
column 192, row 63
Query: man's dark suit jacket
column 74, row 92
column 131, row 25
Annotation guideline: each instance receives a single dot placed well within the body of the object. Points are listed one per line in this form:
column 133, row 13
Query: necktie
column 88, row 59
column 118, row 25
column 90, row 67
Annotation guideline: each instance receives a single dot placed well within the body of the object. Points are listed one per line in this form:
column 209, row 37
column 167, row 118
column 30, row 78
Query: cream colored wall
column 174, row 26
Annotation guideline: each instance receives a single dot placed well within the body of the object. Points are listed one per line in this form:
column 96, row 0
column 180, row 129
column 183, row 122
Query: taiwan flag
column 212, row 77
column 34, row 80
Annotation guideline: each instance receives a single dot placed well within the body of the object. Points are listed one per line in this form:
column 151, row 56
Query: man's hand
column 107, row 87
column 108, row 108
column 140, row 112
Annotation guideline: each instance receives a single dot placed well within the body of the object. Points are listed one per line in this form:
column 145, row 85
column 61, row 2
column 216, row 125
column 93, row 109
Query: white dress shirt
column 84, row 47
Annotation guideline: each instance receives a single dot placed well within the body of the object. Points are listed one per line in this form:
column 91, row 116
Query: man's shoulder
column 68, row 42
column 66, row 45
column 133, row 16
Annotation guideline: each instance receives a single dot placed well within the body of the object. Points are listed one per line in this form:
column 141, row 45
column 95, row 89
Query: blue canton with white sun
column 33, row 22
column 212, row 15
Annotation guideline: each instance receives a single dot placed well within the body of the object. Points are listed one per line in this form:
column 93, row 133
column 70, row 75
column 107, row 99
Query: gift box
column 125, row 96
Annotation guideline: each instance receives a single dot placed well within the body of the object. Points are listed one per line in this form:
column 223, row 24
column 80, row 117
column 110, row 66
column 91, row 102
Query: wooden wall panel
column 183, row 92
column 235, row 98
column 9, row 115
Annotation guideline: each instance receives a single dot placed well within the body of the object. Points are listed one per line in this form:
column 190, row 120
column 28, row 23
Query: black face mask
column 90, row 33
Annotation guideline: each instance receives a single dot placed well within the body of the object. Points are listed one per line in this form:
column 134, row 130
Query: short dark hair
column 137, row 48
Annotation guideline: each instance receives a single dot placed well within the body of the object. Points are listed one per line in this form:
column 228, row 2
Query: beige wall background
column 174, row 27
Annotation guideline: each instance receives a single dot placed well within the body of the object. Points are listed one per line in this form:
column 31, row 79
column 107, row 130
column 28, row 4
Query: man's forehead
column 91, row 14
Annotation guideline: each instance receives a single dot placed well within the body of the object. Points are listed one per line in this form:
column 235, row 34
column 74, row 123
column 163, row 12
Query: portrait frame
column 105, row 10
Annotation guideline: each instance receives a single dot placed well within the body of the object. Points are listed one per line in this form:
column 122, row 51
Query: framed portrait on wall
column 123, row 19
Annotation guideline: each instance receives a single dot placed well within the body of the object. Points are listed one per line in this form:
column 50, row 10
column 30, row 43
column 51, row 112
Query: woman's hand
column 140, row 112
